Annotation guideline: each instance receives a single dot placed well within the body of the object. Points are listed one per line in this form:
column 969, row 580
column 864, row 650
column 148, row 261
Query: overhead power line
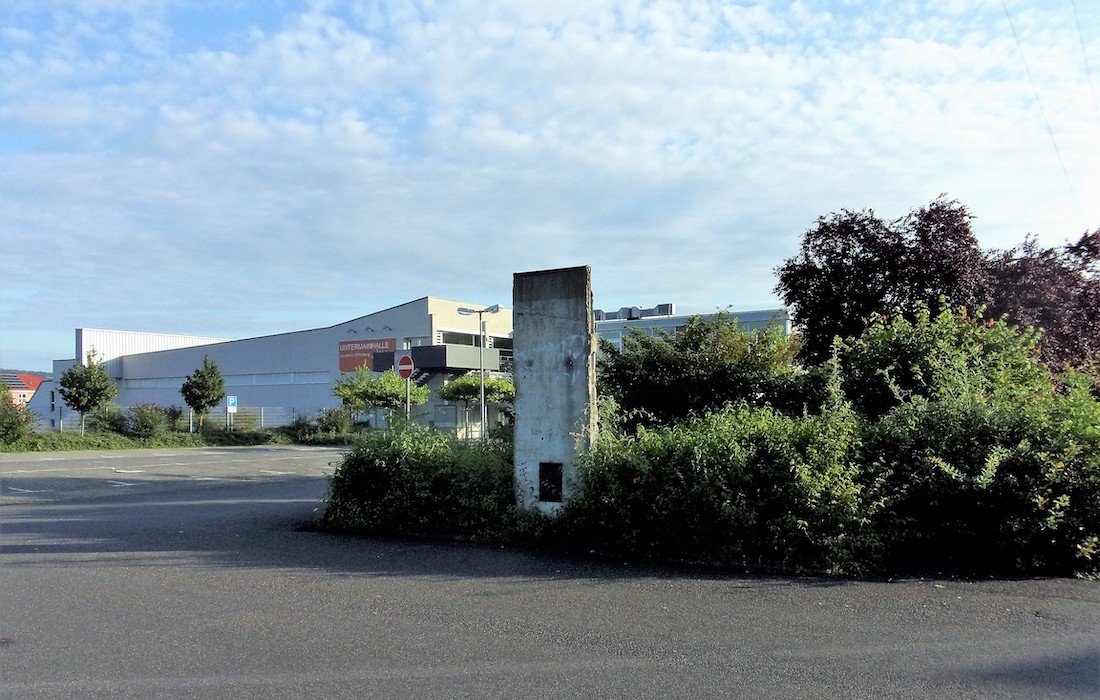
column 1085, row 56
column 1043, row 114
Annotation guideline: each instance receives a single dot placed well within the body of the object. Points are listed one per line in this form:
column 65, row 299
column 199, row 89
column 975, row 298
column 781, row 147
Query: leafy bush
column 108, row 417
column 145, row 420
column 335, row 421
column 300, row 428
column 978, row 488
column 16, row 422
column 982, row 461
column 67, row 441
column 741, row 486
column 950, row 354
column 173, row 413
column 414, row 481
column 222, row 438
column 329, row 427
column 664, row 379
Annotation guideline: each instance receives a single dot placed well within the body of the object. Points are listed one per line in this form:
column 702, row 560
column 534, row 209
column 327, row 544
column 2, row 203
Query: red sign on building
column 355, row 353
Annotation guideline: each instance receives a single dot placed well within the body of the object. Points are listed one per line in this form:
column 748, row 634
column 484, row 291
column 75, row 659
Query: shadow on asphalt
column 1065, row 675
column 236, row 524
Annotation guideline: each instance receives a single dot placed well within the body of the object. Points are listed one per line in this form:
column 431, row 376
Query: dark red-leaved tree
column 1055, row 289
column 847, row 268
column 854, row 264
column 946, row 263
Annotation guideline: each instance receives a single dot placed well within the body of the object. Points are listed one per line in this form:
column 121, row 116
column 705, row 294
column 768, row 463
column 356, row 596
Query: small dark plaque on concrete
column 550, row 482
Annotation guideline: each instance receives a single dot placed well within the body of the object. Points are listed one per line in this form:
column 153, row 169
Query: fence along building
column 278, row 377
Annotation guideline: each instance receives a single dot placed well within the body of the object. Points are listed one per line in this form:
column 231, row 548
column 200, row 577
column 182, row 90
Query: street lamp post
column 465, row 311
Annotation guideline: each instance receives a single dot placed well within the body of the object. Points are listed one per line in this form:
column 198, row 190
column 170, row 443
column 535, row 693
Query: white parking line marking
column 120, row 483
column 18, row 490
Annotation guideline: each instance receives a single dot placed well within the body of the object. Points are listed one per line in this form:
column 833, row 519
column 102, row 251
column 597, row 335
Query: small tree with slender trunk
column 365, row 390
column 467, row 391
column 204, row 389
column 86, row 387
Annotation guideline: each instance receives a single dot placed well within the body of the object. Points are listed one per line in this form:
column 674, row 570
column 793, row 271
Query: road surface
column 198, row 581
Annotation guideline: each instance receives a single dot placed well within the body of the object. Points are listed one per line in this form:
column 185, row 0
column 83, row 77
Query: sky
column 236, row 168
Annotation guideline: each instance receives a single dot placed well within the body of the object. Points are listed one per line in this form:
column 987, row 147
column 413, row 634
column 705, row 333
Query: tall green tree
column 466, row 390
column 204, row 388
column 86, row 387
column 663, row 379
column 364, row 390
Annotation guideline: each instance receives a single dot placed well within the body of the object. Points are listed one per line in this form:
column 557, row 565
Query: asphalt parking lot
column 205, row 584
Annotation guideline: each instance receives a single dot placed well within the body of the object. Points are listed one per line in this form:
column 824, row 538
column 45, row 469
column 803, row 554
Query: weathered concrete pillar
column 555, row 375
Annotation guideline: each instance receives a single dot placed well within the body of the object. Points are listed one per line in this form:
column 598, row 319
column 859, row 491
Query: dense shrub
column 173, row 413
column 300, row 428
column 983, row 461
column 411, row 480
column 974, row 487
column 73, row 440
column 939, row 444
column 108, row 417
column 663, row 379
column 335, row 421
column 240, row 438
column 328, row 427
column 145, row 420
column 16, row 422
column 741, row 486
column 951, row 354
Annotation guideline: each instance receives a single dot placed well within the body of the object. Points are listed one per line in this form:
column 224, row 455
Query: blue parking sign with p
column 231, row 404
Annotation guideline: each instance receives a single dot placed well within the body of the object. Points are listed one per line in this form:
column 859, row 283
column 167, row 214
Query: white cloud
column 339, row 157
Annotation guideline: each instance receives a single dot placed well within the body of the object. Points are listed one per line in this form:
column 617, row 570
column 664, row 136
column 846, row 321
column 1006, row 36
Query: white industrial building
column 277, row 377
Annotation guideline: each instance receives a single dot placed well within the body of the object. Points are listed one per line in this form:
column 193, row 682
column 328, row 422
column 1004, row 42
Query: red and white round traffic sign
column 405, row 366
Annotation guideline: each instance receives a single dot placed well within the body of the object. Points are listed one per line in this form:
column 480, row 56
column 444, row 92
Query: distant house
column 22, row 386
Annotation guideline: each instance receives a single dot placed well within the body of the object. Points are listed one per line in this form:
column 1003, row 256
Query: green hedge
column 411, row 480
column 980, row 488
column 941, row 446
column 742, row 486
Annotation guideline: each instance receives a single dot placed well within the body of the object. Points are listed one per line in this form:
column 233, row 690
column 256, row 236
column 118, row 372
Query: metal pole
column 481, row 369
column 466, row 311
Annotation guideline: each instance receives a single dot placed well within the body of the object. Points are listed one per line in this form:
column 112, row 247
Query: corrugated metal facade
column 110, row 346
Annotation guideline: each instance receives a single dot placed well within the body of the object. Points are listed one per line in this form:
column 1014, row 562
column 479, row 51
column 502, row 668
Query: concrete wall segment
column 555, row 376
